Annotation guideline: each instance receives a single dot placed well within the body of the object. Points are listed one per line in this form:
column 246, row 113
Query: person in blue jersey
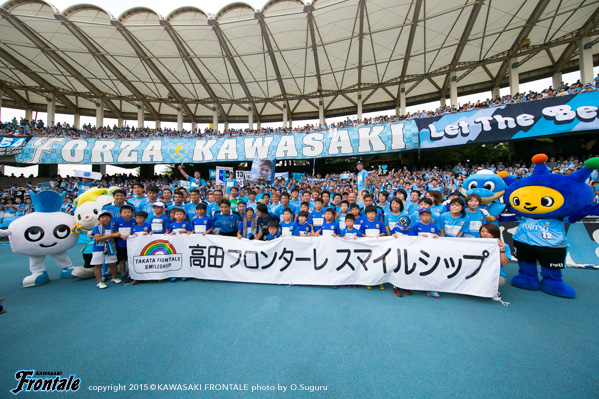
column 412, row 202
column 450, row 197
column 275, row 206
column 425, row 228
column 369, row 201
column 372, row 227
column 263, row 217
column 316, row 218
column 355, row 210
column 123, row 226
column 287, row 225
column 149, row 202
column 342, row 214
column 251, row 202
column 138, row 196
column 350, row 232
column 177, row 202
column 83, row 185
column 392, row 217
column 214, row 207
column 415, row 212
column 226, row 221
column 476, row 217
column 119, row 200
column 159, row 222
column 273, row 230
column 196, row 181
column 286, row 204
column 383, row 201
column 361, row 178
column 304, row 229
column 454, row 222
column 103, row 249
column 489, row 230
column 180, row 225
column 248, row 227
column 329, row 227
column 295, row 201
column 141, row 228
column 194, row 201
column 202, row 224
column 230, row 182
column 437, row 208
column 167, row 197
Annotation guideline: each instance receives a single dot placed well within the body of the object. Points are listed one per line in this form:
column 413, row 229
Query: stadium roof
column 289, row 52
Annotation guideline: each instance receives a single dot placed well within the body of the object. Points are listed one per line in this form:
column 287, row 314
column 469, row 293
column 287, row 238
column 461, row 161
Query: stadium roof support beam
column 194, row 67
column 408, row 52
column 361, row 41
column 104, row 61
column 37, row 79
column 49, row 52
column 586, row 29
column 225, row 47
column 309, row 9
column 271, row 53
column 142, row 54
column 524, row 32
column 461, row 45
column 17, row 98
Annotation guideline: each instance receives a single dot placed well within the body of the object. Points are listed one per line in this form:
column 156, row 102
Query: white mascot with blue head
column 44, row 232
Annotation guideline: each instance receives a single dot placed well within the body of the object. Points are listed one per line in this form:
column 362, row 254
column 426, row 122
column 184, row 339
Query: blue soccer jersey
column 124, row 227
column 329, row 229
column 542, row 232
column 475, row 221
column 202, row 224
column 288, row 229
column 303, row 229
column 373, row 229
column 453, row 226
column 159, row 224
column 351, row 234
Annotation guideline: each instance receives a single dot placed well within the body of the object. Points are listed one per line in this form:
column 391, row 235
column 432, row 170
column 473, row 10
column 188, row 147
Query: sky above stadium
column 117, row 7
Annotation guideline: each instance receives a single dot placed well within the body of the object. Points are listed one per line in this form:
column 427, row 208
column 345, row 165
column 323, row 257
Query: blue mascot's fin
column 47, row 201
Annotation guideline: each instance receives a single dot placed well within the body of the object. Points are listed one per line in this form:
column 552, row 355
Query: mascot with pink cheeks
column 545, row 202
column 44, row 232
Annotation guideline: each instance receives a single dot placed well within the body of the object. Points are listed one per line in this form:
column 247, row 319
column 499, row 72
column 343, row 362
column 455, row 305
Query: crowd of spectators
column 445, row 179
column 38, row 129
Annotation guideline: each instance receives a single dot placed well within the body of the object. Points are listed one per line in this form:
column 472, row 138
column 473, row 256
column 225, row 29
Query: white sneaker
column 497, row 297
column 101, row 285
column 116, row 280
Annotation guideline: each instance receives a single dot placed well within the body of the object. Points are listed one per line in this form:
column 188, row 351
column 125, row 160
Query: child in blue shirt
column 329, row 227
column 350, row 233
column 316, row 218
column 123, row 225
column 103, row 250
column 476, row 218
column 201, row 223
column 288, row 227
column 355, row 210
column 180, row 225
column 158, row 221
column 248, row 227
column 140, row 227
column 273, row 230
column 372, row 227
column 303, row 228
column 425, row 228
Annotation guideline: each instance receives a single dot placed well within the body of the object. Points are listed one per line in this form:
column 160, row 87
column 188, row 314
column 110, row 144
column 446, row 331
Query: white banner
column 222, row 172
column 456, row 265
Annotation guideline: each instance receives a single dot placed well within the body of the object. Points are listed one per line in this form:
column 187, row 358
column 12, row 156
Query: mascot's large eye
column 547, row 201
column 516, row 201
column 472, row 185
column 34, row 233
column 489, row 185
column 78, row 217
column 62, row 231
column 95, row 211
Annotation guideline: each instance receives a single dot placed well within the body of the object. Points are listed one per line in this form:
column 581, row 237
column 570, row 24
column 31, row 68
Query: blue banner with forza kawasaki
column 352, row 141
column 565, row 114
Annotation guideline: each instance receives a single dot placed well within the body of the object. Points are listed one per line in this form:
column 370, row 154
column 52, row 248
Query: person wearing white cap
column 158, row 221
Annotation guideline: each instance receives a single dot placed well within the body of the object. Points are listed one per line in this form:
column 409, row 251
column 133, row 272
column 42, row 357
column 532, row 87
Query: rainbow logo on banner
column 160, row 247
